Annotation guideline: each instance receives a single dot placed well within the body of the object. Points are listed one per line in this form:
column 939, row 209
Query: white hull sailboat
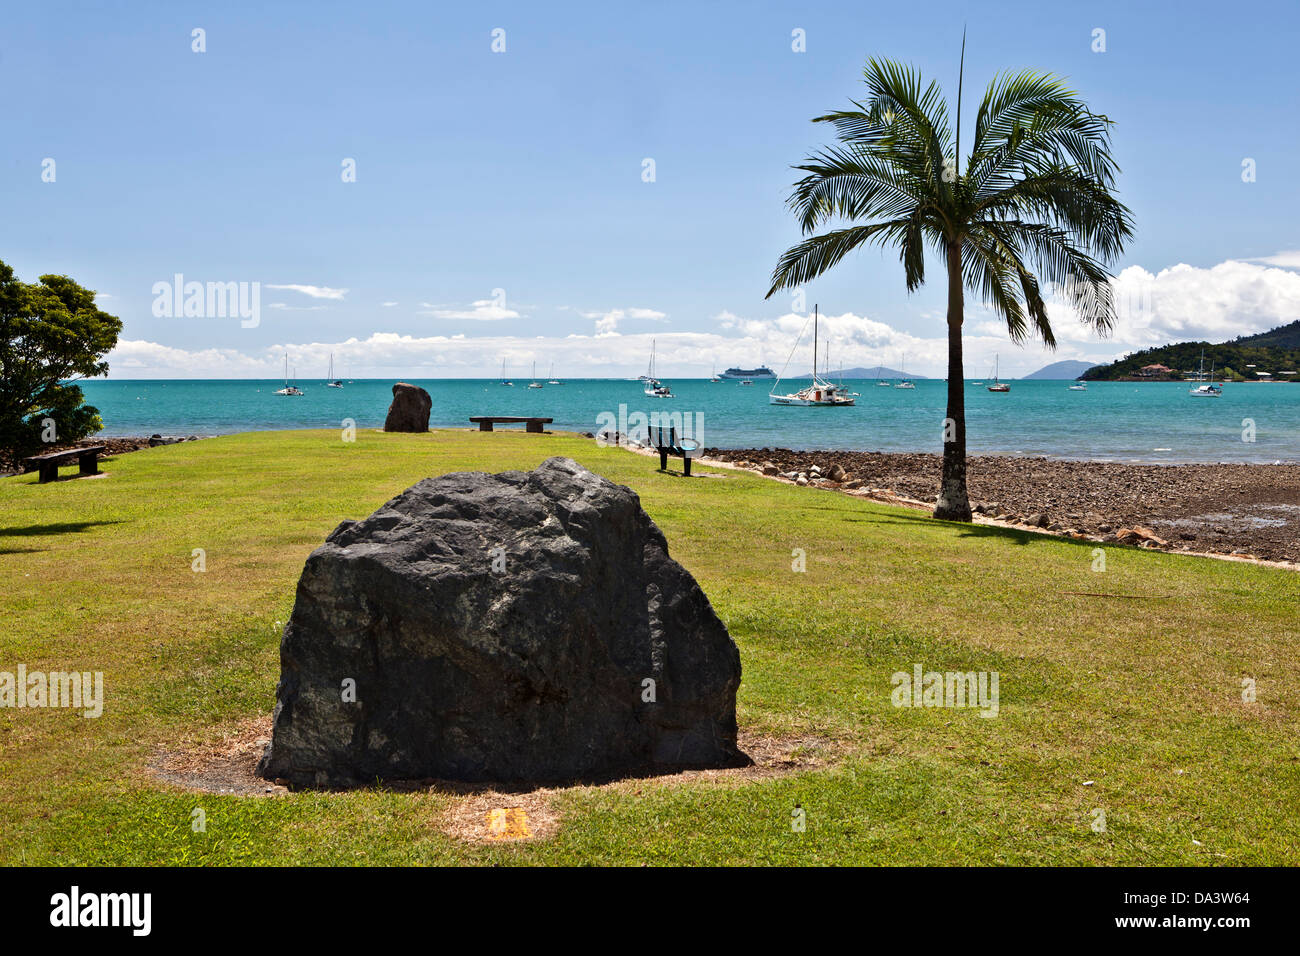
column 1208, row 389
column 653, row 387
column 820, row 392
column 998, row 386
column 906, row 382
column 553, row 380
column 330, row 380
column 534, row 383
column 288, row 389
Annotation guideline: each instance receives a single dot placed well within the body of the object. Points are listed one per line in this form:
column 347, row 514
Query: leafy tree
column 1032, row 203
column 51, row 334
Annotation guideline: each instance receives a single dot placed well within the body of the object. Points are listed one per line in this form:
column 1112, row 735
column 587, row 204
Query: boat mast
column 814, row 343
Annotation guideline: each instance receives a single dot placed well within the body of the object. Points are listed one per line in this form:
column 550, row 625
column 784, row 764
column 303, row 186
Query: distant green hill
column 1283, row 337
column 1061, row 370
column 1274, row 352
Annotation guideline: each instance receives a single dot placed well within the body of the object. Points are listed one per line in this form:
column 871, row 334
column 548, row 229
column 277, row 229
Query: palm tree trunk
column 953, row 504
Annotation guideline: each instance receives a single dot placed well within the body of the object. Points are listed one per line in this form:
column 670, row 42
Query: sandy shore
column 1223, row 509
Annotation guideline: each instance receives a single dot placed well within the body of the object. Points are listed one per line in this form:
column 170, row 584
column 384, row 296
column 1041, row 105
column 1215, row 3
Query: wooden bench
column 667, row 443
column 48, row 465
column 485, row 422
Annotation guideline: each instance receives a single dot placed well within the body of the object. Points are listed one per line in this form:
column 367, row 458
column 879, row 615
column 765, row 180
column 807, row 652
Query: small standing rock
column 410, row 409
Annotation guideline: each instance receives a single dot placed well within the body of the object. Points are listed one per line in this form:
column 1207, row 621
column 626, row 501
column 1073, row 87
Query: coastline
column 1226, row 510
column 1237, row 510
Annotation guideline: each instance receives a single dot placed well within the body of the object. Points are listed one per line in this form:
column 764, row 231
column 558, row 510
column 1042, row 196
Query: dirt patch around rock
column 225, row 765
column 480, row 813
column 508, row 815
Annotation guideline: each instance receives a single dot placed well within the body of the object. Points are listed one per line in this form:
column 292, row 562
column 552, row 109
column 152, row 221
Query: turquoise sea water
column 1111, row 421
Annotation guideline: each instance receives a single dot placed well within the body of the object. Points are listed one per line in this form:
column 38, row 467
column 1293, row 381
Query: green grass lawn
column 1127, row 680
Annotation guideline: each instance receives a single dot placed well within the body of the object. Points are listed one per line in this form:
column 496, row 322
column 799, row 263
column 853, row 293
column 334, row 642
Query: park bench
column 48, row 465
column 667, row 443
column 485, row 422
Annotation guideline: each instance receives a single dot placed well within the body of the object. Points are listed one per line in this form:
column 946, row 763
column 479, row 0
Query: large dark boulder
column 501, row 627
column 410, row 409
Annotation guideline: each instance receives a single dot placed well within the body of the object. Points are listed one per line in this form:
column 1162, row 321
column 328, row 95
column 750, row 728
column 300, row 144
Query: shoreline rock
column 1211, row 508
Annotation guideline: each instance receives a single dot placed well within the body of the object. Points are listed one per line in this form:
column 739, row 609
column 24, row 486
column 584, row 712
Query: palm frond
column 814, row 256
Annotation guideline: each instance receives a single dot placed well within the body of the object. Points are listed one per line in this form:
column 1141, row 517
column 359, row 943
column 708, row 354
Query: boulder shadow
column 62, row 527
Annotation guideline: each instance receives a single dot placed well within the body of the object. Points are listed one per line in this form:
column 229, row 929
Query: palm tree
column 1033, row 206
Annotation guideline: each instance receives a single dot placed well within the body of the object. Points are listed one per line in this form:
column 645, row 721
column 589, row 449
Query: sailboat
column 906, row 382
column 714, row 376
column 534, row 383
column 504, row 380
column 331, row 381
column 820, row 392
column 998, row 386
column 841, row 374
column 653, row 387
column 880, row 381
column 1208, row 389
column 1079, row 386
column 553, row 380
column 288, row 389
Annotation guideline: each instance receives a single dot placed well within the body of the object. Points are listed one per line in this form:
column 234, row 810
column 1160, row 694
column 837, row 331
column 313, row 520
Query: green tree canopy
column 51, row 335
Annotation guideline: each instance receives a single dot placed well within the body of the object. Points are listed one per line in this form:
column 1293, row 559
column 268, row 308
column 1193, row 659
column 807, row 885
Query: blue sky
column 522, row 171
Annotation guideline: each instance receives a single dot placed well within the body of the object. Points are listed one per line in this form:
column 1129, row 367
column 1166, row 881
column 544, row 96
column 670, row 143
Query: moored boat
column 288, row 389
column 820, row 392
column 1209, row 389
column 998, row 386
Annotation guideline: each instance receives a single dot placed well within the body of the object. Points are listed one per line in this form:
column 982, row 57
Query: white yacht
column 288, row 389
column 820, row 392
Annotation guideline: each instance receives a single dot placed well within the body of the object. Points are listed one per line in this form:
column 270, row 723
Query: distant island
column 1272, row 356
column 1061, row 370
column 883, row 371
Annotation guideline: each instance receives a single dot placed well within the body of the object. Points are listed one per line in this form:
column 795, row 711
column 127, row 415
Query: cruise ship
column 761, row 372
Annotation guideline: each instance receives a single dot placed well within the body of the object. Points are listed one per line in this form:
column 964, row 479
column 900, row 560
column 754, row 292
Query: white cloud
column 607, row 322
column 1183, row 302
column 1287, row 259
column 294, row 308
column 388, row 305
column 315, row 291
column 482, row 310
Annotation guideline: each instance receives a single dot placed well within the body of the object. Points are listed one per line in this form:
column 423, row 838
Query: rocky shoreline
column 112, row 447
column 1238, row 510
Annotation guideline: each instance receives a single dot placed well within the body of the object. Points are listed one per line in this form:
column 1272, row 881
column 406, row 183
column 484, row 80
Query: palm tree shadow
column 1013, row 535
